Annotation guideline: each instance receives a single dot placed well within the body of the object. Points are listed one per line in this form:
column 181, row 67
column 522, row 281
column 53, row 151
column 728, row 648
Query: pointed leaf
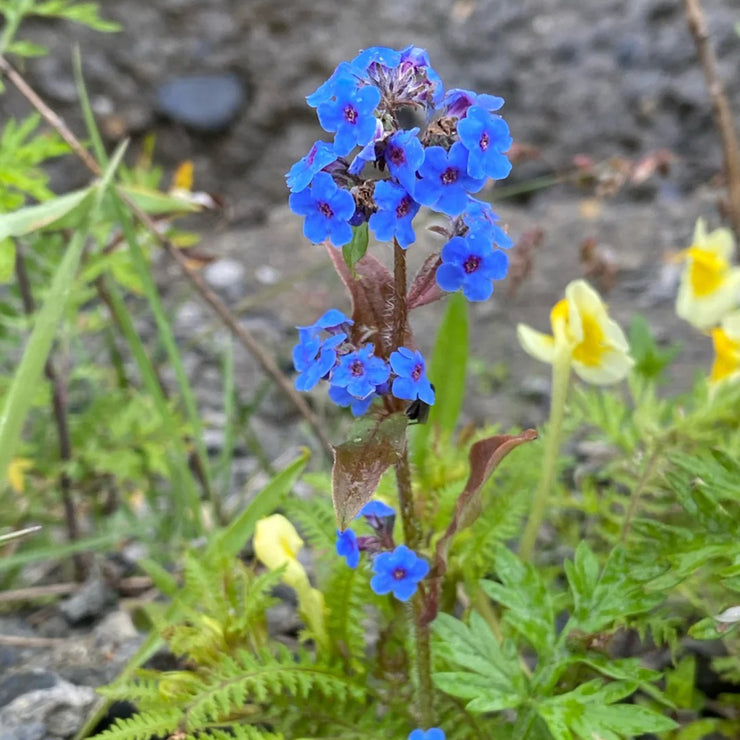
column 355, row 250
column 33, row 218
column 424, row 288
column 360, row 462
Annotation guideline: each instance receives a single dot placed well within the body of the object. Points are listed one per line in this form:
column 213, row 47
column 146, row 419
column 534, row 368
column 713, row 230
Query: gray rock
column 30, row 731
column 208, row 103
column 90, row 601
column 62, row 709
column 16, row 684
column 226, row 275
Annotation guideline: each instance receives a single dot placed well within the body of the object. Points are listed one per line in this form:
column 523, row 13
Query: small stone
column 208, row 103
column 90, row 601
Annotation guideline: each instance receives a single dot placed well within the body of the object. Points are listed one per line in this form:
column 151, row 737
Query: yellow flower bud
column 710, row 285
column 594, row 344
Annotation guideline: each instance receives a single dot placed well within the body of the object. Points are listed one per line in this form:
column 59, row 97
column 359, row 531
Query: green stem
column 560, row 378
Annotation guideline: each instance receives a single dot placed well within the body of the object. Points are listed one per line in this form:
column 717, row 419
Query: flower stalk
column 560, row 380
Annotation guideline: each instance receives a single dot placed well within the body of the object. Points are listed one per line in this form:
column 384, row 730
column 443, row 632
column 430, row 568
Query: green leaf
column 7, row 260
column 492, row 679
column 25, row 48
column 34, row 218
column 529, row 607
column 355, row 250
column 650, row 360
column 232, row 539
column 448, row 367
column 602, row 601
column 85, row 13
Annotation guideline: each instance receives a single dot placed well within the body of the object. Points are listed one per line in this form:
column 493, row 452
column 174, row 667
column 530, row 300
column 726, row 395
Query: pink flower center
column 357, row 368
column 350, row 114
column 484, row 141
column 417, row 371
column 399, row 573
column 449, row 176
column 325, row 209
column 396, row 155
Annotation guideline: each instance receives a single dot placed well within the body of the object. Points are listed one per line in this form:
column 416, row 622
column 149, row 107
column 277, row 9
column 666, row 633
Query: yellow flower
column 726, row 340
column 710, row 285
column 277, row 544
column 583, row 334
column 17, row 473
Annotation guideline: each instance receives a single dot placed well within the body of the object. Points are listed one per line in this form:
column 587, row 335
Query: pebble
column 90, row 601
column 226, row 275
column 207, row 103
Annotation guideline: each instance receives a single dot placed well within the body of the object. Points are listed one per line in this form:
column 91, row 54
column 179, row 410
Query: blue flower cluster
column 356, row 376
column 464, row 143
column 397, row 570
column 434, row 733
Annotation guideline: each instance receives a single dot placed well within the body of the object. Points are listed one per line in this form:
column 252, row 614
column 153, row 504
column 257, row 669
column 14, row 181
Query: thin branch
column 59, row 408
column 250, row 343
column 720, row 105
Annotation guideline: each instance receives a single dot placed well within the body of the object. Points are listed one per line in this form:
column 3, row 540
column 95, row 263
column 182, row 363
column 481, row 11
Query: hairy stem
column 560, row 378
column 722, row 112
column 637, row 494
column 412, row 532
column 59, row 409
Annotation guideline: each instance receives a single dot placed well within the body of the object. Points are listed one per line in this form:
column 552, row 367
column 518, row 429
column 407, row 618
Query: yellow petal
column 614, row 365
column 726, row 341
column 277, row 544
column 17, row 473
column 706, row 310
column 538, row 345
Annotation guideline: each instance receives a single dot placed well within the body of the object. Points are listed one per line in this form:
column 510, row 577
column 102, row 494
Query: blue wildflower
column 457, row 101
column 350, row 114
column 433, row 733
column 360, row 372
column 471, row 263
column 419, row 59
column 327, row 209
column 404, row 154
column 486, row 137
column 377, row 55
column 396, row 211
column 398, row 572
column 347, row 547
column 376, row 509
column 367, row 153
column 301, row 173
column 445, row 183
column 330, row 321
column 313, row 359
column 479, row 216
column 411, row 380
column 341, row 397
column 325, row 91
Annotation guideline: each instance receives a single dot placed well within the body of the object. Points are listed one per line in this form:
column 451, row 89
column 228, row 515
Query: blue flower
column 419, row 59
column 377, row 55
column 377, row 509
column 404, row 154
column 470, row 263
column 396, row 211
column 313, row 359
column 398, row 572
column 332, row 320
column 327, row 209
column 360, row 372
column 433, row 733
column 479, row 216
column 349, row 113
column 486, row 137
column 325, row 91
column 343, row 398
column 367, row 153
column 411, row 379
column 457, row 101
column 445, row 183
column 347, row 547
column 301, row 173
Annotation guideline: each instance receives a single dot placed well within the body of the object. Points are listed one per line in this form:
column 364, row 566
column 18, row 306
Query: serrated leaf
column 356, row 249
column 360, row 462
column 529, row 607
